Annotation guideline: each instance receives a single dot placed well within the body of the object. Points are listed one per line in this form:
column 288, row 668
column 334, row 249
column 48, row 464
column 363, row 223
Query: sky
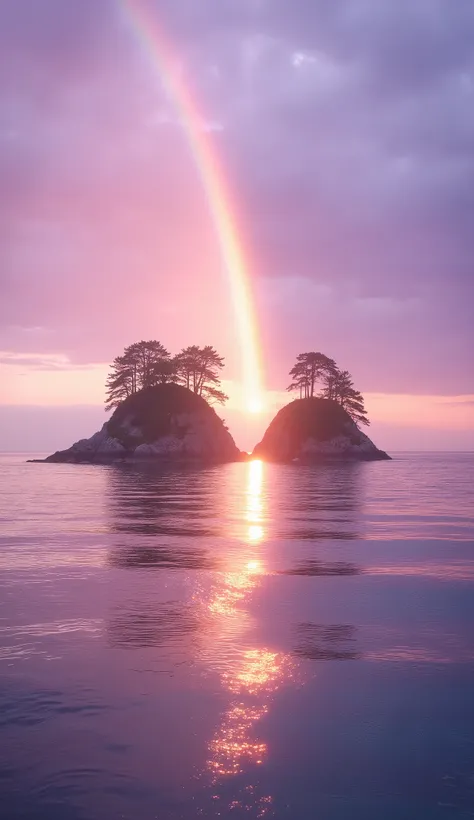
column 345, row 134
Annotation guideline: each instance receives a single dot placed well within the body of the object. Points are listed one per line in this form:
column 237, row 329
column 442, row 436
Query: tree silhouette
column 308, row 370
column 121, row 382
column 340, row 388
column 142, row 364
column 163, row 371
column 146, row 364
column 337, row 385
column 213, row 395
column 148, row 358
column 198, row 369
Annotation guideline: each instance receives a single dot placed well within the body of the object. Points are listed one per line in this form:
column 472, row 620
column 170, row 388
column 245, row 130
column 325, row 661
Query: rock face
column 166, row 422
column 315, row 429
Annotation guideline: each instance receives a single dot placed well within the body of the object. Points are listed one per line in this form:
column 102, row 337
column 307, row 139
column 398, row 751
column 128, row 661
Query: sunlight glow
column 255, row 475
column 231, row 746
column 253, row 511
column 236, row 585
column 259, row 671
column 256, row 677
column 255, row 532
column 250, row 674
column 254, row 566
column 254, row 405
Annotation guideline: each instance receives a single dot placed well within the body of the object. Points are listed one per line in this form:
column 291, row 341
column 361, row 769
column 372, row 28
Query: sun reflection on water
column 236, row 585
column 251, row 674
column 257, row 674
column 255, row 533
column 230, row 747
column 254, row 504
column 259, row 671
column 253, row 566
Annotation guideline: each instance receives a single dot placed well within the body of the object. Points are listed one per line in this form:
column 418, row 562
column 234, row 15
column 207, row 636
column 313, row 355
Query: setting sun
column 254, row 405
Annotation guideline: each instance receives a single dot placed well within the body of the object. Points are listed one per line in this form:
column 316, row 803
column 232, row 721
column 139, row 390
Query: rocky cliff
column 166, row 422
column 315, row 429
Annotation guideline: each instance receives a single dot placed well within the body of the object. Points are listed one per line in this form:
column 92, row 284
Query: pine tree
column 198, row 369
column 340, row 388
column 308, row 370
column 142, row 364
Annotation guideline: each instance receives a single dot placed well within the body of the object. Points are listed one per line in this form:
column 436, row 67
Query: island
column 163, row 412
column 315, row 429
column 165, row 422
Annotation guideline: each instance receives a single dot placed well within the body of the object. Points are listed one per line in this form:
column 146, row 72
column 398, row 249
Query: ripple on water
column 249, row 640
column 22, row 707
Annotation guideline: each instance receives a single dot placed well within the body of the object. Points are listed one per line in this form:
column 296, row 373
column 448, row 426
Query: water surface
column 249, row 640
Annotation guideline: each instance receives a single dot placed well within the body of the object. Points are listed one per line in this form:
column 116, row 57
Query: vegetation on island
column 313, row 429
column 312, row 370
column 162, row 410
column 168, row 409
column 147, row 364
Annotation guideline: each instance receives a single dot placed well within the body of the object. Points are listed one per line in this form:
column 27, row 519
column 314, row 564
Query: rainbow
column 149, row 34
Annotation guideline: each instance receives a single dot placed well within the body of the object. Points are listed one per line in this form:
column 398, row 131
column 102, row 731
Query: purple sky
column 346, row 131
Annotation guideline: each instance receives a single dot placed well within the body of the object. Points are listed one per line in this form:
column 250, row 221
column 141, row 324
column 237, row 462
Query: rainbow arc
column 149, row 33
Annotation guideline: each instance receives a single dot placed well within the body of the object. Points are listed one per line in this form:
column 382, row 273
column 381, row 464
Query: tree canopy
column 142, row 364
column 198, row 369
column 316, row 369
column 308, row 370
column 146, row 364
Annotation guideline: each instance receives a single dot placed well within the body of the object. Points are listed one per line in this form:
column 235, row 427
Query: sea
column 242, row 641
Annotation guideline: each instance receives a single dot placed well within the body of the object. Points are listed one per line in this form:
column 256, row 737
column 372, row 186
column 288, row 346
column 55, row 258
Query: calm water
column 244, row 641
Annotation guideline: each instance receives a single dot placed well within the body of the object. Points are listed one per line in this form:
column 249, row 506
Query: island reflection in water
column 215, row 628
column 165, row 630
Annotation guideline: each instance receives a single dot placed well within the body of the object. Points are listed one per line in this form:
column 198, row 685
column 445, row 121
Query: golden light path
column 254, row 503
column 251, row 674
column 166, row 64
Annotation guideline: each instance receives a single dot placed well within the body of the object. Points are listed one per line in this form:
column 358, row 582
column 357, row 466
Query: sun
column 254, row 405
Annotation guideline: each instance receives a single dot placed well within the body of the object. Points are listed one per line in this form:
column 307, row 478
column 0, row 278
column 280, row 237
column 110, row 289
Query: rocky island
column 163, row 413
column 161, row 423
column 315, row 429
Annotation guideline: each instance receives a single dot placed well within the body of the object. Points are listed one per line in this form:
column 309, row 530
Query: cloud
column 345, row 132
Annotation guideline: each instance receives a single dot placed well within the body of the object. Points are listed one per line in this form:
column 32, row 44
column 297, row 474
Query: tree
column 213, row 395
column 146, row 364
column 142, row 364
column 337, row 385
column 151, row 360
column 340, row 388
column 120, row 383
column 198, row 369
column 308, row 370
column 163, row 371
